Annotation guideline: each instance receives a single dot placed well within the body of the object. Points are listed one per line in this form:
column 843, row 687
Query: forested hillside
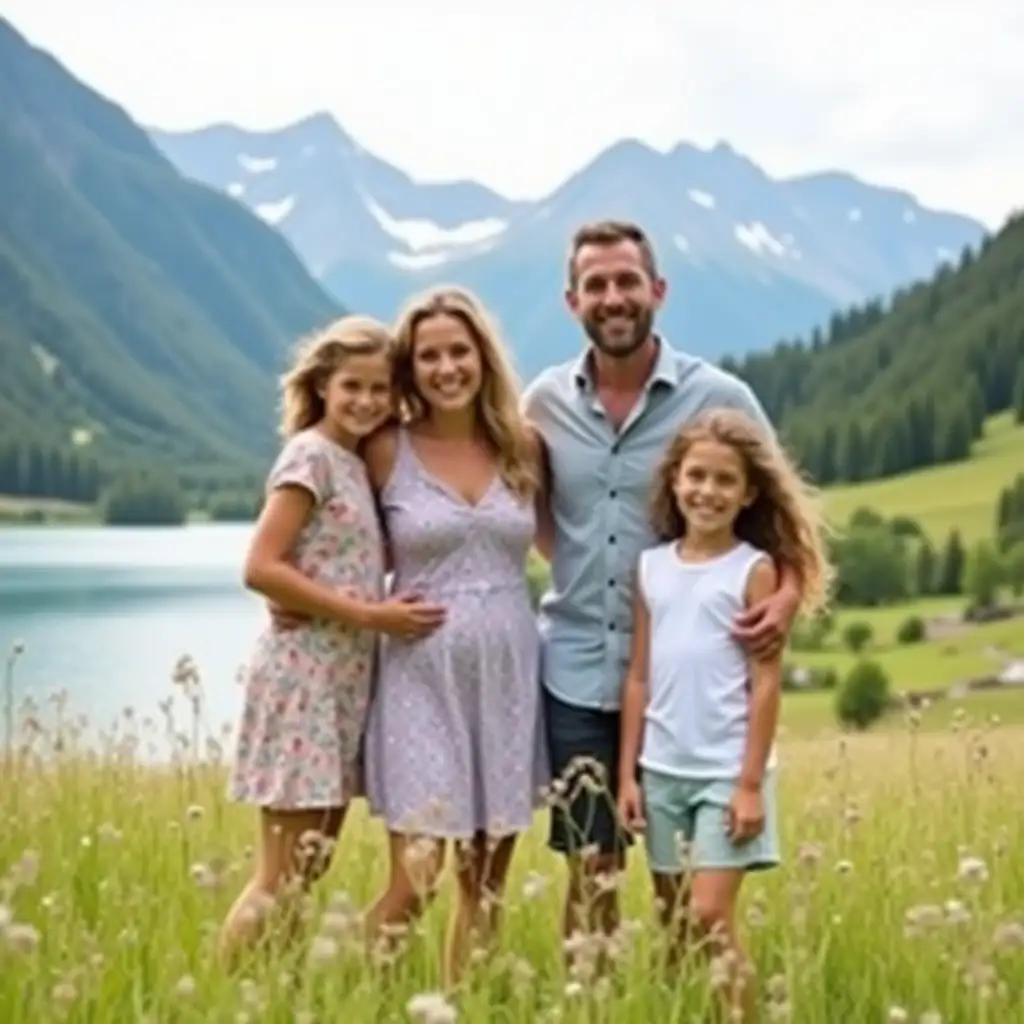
column 143, row 317
column 888, row 388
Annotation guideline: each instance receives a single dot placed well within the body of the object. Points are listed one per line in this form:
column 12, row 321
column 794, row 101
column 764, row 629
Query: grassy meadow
column 960, row 495
column 901, row 897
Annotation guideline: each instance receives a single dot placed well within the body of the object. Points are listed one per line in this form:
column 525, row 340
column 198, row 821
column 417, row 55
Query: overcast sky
column 927, row 95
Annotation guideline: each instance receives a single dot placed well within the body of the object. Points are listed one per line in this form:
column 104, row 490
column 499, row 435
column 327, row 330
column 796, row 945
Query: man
column 605, row 419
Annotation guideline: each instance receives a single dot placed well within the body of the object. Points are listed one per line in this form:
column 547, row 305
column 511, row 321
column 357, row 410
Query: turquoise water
column 104, row 614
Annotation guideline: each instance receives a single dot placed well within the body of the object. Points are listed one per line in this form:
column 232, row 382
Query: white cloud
column 922, row 94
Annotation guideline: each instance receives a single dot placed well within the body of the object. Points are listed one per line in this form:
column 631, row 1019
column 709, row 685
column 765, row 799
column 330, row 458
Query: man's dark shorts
column 584, row 748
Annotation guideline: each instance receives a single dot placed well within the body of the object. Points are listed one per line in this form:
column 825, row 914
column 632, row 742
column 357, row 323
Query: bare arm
column 268, row 571
column 634, row 691
column 765, row 676
column 379, row 454
column 544, row 540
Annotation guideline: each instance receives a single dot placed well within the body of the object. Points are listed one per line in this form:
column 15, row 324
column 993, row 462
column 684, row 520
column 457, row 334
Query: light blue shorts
column 695, row 812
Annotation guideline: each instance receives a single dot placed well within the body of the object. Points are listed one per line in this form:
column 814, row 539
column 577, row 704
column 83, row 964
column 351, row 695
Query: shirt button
column 611, row 627
column 611, row 539
column 611, row 583
column 613, row 494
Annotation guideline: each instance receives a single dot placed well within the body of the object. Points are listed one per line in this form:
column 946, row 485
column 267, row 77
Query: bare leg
column 294, row 852
column 415, row 866
column 713, row 913
column 481, row 871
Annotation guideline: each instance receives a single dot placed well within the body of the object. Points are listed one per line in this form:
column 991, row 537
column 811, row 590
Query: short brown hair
column 611, row 232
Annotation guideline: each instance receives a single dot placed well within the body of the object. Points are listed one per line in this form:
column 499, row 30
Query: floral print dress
column 307, row 688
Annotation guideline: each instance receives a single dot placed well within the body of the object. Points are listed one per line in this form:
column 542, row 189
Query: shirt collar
column 665, row 371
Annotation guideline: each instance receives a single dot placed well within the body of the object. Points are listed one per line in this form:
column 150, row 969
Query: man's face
column 615, row 297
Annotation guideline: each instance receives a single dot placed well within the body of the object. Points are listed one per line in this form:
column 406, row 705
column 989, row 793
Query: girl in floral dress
column 317, row 551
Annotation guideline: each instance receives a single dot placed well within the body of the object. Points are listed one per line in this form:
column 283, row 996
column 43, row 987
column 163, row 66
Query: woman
column 454, row 748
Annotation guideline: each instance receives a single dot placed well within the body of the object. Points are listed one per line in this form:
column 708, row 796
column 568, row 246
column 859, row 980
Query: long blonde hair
column 498, row 402
column 785, row 518
column 319, row 356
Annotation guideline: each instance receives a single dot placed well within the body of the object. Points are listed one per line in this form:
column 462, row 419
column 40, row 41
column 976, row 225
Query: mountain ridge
column 146, row 313
column 750, row 257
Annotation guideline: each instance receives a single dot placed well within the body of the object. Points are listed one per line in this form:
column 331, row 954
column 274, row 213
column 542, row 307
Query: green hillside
column 960, row 495
column 890, row 388
column 143, row 317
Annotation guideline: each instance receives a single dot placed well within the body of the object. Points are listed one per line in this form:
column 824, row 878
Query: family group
column 404, row 660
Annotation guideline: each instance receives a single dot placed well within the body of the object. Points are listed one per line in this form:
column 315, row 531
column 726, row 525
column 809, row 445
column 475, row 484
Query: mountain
column 143, row 316
column 749, row 258
column 890, row 387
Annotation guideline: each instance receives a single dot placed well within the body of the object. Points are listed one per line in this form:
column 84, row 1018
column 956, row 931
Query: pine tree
column 951, row 569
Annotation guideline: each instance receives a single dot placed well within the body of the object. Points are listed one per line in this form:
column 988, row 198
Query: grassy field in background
column 961, row 652
column 899, row 898
column 962, row 495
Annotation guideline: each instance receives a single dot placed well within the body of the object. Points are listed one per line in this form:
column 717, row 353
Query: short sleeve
column 302, row 464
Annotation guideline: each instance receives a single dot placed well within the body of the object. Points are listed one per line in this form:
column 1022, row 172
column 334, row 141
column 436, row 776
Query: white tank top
column 697, row 712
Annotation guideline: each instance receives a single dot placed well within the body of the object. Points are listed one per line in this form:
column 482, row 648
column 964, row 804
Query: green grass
column 811, row 715
column 29, row 511
column 962, row 651
column 962, row 495
column 117, row 875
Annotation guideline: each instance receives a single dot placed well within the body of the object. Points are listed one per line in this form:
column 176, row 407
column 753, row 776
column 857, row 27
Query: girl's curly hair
column 785, row 518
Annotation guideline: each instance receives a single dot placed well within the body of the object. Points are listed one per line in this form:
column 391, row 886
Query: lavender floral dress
column 307, row 689
column 454, row 743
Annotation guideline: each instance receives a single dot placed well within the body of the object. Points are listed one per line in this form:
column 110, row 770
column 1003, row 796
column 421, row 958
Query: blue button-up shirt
column 601, row 484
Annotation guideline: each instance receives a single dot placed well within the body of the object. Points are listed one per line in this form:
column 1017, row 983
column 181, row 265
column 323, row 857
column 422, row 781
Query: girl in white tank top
column 699, row 715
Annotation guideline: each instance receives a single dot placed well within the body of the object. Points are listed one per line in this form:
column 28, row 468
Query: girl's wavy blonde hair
column 498, row 402
column 321, row 355
column 785, row 518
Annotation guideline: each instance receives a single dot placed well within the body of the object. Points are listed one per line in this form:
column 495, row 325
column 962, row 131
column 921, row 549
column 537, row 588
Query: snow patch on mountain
column 275, row 212
column 256, row 164
column 419, row 233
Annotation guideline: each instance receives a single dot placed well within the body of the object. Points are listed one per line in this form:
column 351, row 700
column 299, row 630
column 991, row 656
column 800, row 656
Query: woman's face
column 447, row 367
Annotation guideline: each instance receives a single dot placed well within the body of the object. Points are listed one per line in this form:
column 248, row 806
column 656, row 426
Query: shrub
column 863, row 696
column 911, row 630
column 857, row 635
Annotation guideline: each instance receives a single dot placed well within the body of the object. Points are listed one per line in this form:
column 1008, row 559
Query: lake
column 105, row 613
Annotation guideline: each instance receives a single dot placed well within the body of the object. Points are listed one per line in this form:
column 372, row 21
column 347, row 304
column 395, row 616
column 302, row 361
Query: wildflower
column 25, row 870
column 185, row 986
column 1009, row 936
column 534, row 885
column 20, row 938
column 930, row 1017
column 194, row 812
column 972, row 870
column 431, row 1008
column 322, row 950
column 809, row 855
column 897, row 1015
column 64, row 993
